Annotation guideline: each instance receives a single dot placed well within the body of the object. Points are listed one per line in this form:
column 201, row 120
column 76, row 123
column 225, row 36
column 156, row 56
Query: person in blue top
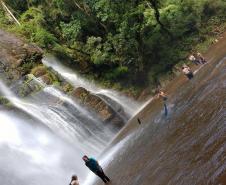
column 94, row 166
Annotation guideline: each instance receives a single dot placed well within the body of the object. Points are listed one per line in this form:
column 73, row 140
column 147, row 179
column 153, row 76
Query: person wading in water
column 94, row 166
column 163, row 95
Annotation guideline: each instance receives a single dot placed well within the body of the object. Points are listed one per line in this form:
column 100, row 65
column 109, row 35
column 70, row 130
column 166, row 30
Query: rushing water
column 69, row 120
column 128, row 104
column 30, row 154
column 44, row 132
column 44, row 136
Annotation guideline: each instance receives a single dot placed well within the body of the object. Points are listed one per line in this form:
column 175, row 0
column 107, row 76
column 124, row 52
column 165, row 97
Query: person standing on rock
column 94, row 166
column 163, row 95
column 74, row 180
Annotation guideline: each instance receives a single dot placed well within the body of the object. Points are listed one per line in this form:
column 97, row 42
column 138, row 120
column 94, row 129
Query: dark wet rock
column 80, row 93
column 144, row 94
column 5, row 103
column 66, row 87
column 46, row 79
column 39, row 71
column 27, row 85
column 93, row 102
column 3, row 100
column 115, row 106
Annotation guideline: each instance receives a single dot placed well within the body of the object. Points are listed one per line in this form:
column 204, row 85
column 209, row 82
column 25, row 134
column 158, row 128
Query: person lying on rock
column 74, row 180
column 94, row 166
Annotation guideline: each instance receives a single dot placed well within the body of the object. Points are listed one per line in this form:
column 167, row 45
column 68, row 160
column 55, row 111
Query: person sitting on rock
column 194, row 60
column 200, row 58
column 187, row 71
column 74, row 180
column 94, row 166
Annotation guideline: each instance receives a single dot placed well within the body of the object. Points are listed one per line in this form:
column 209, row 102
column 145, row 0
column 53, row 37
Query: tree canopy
column 134, row 40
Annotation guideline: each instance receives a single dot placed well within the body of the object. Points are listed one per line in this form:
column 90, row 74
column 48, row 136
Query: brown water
column 186, row 147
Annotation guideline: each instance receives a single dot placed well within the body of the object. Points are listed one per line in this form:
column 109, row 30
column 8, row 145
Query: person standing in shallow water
column 74, row 180
column 94, row 166
column 163, row 95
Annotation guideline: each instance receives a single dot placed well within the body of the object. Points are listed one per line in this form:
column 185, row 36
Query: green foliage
column 4, row 20
column 42, row 71
column 132, row 41
column 116, row 73
column 32, row 27
column 71, row 30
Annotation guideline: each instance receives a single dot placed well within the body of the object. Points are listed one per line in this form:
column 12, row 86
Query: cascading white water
column 31, row 155
column 72, row 122
column 76, row 127
column 128, row 104
column 29, row 135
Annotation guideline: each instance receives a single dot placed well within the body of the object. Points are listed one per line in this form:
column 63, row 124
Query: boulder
column 80, row 93
column 94, row 103
column 27, row 85
column 46, row 79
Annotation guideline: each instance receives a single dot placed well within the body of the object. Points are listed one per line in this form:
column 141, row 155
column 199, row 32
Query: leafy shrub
column 116, row 73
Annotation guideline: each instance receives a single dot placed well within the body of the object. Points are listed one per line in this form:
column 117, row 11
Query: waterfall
column 70, row 120
column 49, row 130
column 129, row 105
column 32, row 155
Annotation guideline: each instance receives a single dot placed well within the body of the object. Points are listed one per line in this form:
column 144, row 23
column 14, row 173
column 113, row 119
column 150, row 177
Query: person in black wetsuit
column 94, row 166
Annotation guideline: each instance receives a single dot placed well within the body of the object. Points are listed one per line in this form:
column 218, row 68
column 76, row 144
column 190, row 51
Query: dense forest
column 126, row 44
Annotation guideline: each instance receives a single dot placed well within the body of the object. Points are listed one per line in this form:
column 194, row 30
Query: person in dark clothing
column 94, row 166
column 139, row 121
